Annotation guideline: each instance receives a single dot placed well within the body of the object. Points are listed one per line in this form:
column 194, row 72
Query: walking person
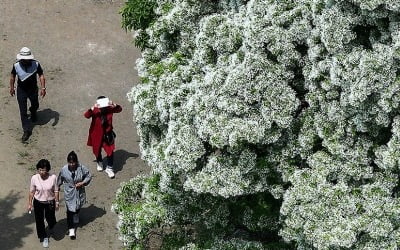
column 27, row 69
column 101, row 134
column 74, row 176
column 44, row 197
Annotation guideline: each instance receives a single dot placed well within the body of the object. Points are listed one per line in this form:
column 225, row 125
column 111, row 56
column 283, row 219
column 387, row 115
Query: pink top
column 44, row 189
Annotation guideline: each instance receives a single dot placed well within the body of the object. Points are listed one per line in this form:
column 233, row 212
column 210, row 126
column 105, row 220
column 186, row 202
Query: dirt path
column 85, row 53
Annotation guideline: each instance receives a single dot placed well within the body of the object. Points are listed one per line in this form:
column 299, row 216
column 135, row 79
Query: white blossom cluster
column 219, row 244
column 224, row 103
column 294, row 99
column 325, row 210
column 139, row 209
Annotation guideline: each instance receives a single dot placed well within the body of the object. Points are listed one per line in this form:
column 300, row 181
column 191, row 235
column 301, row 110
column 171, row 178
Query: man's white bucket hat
column 25, row 54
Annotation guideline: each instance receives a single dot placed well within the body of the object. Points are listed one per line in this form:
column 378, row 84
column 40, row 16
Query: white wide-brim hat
column 25, row 54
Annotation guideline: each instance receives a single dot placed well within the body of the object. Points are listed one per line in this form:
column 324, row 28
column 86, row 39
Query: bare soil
column 85, row 53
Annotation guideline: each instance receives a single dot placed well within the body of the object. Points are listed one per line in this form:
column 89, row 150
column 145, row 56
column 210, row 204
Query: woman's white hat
column 25, row 53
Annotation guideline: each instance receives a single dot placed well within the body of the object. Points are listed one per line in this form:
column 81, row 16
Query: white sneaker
column 72, row 233
column 110, row 172
column 99, row 166
column 46, row 242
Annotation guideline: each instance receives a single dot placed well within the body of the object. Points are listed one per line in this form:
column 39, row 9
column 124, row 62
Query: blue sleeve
column 60, row 179
column 86, row 175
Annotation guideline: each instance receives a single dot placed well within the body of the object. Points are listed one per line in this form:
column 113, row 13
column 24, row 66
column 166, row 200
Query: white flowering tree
column 266, row 123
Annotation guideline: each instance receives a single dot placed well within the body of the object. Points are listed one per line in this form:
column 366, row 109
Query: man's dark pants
column 22, row 97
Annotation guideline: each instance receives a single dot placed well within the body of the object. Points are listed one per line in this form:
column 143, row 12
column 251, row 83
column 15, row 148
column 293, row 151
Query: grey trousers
column 22, row 98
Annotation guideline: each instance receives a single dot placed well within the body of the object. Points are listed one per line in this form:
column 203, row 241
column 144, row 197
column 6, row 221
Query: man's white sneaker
column 110, row 172
column 99, row 167
column 46, row 242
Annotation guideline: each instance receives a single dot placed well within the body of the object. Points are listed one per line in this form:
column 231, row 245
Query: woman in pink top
column 44, row 196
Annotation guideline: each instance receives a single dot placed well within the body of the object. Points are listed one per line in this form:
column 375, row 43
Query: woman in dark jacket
column 101, row 125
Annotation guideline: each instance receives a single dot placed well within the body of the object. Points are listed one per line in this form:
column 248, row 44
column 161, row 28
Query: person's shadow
column 120, row 158
column 13, row 229
column 46, row 115
column 86, row 216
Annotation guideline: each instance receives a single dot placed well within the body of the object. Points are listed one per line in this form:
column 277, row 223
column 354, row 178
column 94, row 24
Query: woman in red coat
column 102, row 114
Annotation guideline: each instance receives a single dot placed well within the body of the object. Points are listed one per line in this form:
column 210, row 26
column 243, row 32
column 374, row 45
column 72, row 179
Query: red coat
column 96, row 130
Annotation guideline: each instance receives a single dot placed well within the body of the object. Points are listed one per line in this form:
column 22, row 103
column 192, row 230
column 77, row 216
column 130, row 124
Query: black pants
column 44, row 210
column 110, row 159
column 70, row 218
column 22, row 97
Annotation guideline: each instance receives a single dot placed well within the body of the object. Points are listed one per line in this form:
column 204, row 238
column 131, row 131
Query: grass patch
column 32, row 168
column 23, row 154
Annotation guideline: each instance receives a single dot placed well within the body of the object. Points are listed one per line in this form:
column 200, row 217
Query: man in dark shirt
column 27, row 69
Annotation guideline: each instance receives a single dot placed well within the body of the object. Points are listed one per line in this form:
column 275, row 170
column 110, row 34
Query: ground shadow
column 59, row 229
column 46, row 115
column 90, row 214
column 120, row 158
column 86, row 216
column 13, row 230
